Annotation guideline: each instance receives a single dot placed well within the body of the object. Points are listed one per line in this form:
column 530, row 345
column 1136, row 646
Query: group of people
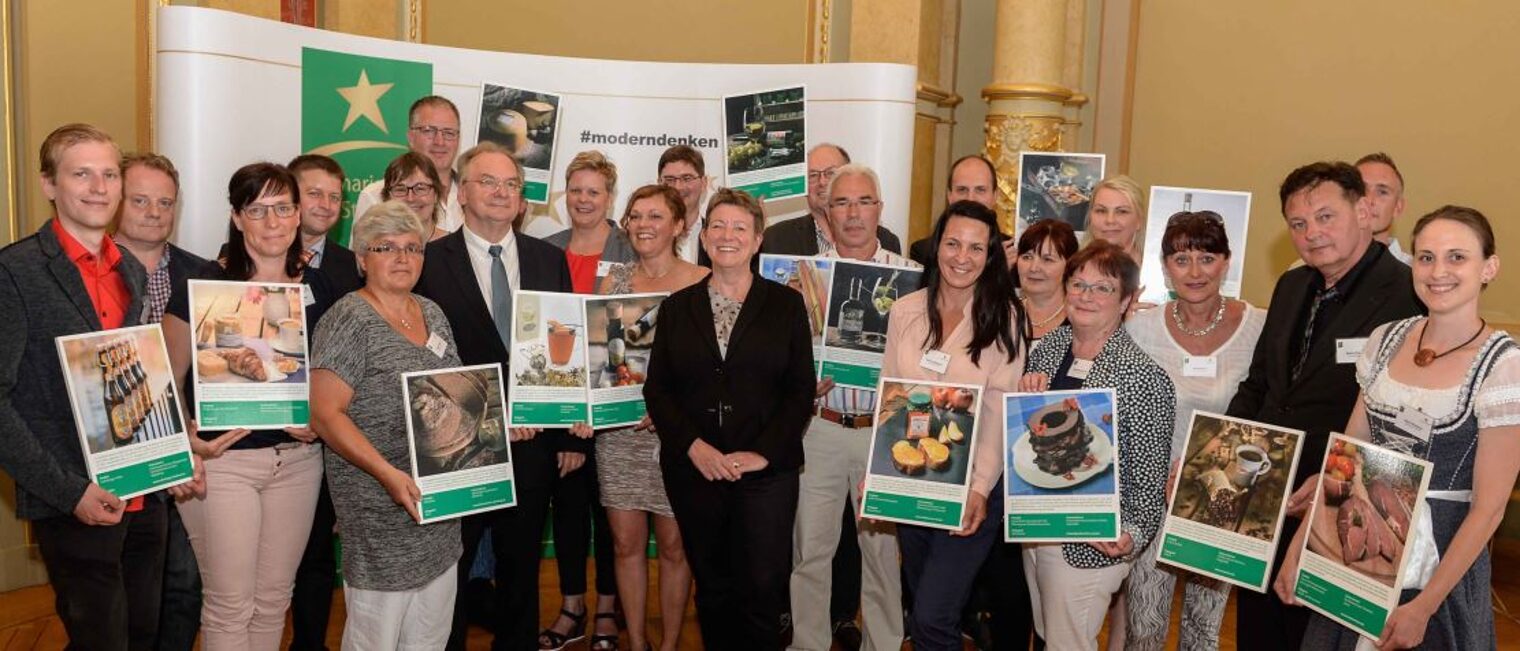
column 748, row 468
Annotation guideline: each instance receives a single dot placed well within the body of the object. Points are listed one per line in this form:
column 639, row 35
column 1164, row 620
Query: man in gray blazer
column 104, row 556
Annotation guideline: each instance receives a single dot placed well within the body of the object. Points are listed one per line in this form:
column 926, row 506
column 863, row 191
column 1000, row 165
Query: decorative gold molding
column 1048, row 92
column 8, row 112
column 414, row 21
column 820, row 23
column 939, row 96
column 1077, row 100
column 1007, row 135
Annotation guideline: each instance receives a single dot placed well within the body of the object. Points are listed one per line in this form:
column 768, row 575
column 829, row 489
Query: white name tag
column 1079, row 369
column 1348, row 350
column 307, row 298
column 935, row 360
column 1202, row 366
column 603, row 268
column 436, row 344
column 1414, row 422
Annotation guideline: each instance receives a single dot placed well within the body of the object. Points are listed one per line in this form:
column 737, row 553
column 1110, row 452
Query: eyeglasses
column 492, row 184
column 390, row 250
column 684, row 179
column 421, row 190
column 846, row 204
column 258, row 211
column 821, row 175
column 449, row 135
column 1075, row 286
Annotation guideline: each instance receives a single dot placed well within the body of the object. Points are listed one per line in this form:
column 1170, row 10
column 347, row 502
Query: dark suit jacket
column 449, row 280
column 919, row 251
column 1321, row 400
column 795, row 237
column 42, row 297
column 758, row 398
column 184, row 264
column 341, row 267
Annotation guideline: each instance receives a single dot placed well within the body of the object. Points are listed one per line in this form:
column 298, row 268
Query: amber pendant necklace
column 1425, row 357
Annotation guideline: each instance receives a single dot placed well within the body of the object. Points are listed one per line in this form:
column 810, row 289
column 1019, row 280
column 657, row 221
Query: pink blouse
column 998, row 374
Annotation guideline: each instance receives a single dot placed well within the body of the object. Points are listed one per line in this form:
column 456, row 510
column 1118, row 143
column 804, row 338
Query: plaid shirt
column 158, row 290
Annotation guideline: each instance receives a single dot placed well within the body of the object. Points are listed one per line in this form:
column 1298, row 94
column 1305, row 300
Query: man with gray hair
column 802, row 236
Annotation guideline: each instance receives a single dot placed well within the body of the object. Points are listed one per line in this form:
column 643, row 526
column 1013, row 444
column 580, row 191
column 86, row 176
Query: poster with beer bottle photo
column 620, row 333
column 126, row 409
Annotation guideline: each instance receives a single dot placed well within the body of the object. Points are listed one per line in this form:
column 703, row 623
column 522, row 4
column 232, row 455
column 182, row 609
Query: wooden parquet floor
column 27, row 620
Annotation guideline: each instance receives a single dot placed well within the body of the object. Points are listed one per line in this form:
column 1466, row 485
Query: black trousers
column 517, row 537
column 179, row 616
column 738, row 540
column 311, row 598
column 107, row 580
column 580, row 523
column 1008, row 596
column 844, row 588
column 1264, row 622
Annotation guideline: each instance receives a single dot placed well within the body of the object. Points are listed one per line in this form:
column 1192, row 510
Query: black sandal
column 601, row 642
column 552, row 640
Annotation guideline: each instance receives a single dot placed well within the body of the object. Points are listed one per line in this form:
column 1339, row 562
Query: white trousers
column 836, row 463
column 1068, row 603
column 408, row 620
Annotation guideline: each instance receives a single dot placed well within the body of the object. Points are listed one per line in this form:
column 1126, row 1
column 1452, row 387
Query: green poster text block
column 1056, row 526
column 463, row 500
column 1202, row 556
column 145, row 476
column 548, row 413
column 852, row 374
column 1360, row 613
column 255, row 414
column 915, row 509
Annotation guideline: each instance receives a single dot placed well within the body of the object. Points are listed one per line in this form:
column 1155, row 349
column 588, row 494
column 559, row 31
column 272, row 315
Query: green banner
column 354, row 109
column 913, row 509
column 143, row 477
column 1352, row 609
column 628, row 411
column 794, row 186
column 536, row 191
column 464, row 500
column 548, row 413
column 1202, row 556
column 252, row 415
column 1063, row 526
column 852, row 374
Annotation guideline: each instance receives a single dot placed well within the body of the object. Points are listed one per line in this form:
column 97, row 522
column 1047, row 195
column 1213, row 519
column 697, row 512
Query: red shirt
column 583, row 271
column 103, row 282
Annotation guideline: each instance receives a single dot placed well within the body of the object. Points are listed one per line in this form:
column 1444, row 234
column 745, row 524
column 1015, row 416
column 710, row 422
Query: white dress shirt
column 480, row 261
column 453, row 214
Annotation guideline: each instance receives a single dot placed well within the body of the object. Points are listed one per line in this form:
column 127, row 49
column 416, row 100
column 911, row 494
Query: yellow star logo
column 364, row 101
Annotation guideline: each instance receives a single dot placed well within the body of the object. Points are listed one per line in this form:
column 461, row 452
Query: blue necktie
column 501, row 297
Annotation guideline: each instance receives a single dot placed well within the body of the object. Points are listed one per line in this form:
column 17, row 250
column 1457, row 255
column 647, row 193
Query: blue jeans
column 940, row 569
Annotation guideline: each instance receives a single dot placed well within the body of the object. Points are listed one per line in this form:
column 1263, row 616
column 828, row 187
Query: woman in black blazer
column 730, row 391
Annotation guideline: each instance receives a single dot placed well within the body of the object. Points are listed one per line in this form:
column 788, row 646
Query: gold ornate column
column 1071, row 72
column 1027, row 100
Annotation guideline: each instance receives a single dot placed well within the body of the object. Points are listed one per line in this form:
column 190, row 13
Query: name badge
column 1200, row 366
column 1079, row 369
column 436, row 344
column 603, row 268
column 307, row 298
column 1414, row 422
column 1348, row 350
column 935, row 360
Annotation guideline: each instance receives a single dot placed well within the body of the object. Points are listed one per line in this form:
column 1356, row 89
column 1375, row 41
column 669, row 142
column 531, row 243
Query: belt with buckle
column 848, row 421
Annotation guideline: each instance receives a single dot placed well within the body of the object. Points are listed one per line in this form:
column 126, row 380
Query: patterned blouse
column 1147, row 401
column 725, row 312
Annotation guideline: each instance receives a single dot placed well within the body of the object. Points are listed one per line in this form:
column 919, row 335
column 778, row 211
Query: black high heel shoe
column 603, row 642
column 552, row 640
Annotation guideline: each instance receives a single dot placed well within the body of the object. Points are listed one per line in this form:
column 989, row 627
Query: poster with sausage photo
column 860, row 298
column 766, row 151
column 250, row 367
column 1056, row 185
column 457, row 434
column 126, row 409
column 922, row 438
column 524, row 122
column 620, row 333
column 1234, row 212
column 811, row 276
column 1361, row 531
column 1061, row 467
column 1228, row 499
column 548, row 360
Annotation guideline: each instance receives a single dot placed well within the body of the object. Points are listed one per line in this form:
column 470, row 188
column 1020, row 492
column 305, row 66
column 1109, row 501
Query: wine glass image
column 883, row 298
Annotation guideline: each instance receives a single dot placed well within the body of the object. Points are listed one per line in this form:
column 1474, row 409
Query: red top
column 583, row 271
column 103, row 282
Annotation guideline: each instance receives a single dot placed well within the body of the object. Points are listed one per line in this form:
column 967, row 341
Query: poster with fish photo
column 1229, row 497
column 620, row 332
column 1061, row 467
column 250, row 367
column 457, row 436
column 1360, row 532
column 860, row 298
column 922, row 440
column 548, row 376
column 812, row 277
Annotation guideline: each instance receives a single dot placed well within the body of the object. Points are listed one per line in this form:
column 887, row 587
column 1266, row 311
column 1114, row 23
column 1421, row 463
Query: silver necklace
column 1213, row 323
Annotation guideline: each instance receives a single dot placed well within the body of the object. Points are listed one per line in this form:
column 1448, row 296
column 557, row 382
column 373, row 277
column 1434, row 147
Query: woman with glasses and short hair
column 1070, row 584
column 413, row 180
column 250, row 529
column 1218, row 336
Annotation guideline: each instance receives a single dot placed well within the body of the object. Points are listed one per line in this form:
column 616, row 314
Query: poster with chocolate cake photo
column 1061, row 466
column 1228, row 499
column 457, row 436
column 920, row 460
column 1362, row 530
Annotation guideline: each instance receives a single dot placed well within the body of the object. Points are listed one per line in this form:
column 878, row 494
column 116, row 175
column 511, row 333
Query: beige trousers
column 1069, row 604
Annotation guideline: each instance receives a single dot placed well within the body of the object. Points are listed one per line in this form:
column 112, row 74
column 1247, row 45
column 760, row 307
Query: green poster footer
column 852, row 374
column 915, row 509
column 548, row 413
column 463, row 500
column 617, row 412
column 254, row 414
column 147, row 475
column 1360, row 613
column 1202, row 556
column 536, row 191
column 794, row 186
column 1073, row 526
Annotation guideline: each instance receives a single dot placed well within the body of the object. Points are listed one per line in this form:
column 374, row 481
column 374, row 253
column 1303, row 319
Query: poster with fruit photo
column 547, row 377
column 1361, row 532
column 1061, row 467
column 619, row 335
column 919, row 468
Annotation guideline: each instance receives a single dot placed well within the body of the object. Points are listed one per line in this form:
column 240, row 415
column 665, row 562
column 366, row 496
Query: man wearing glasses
column 681, row 167
column 799, row 236
column 433, row 131
column 471, row 274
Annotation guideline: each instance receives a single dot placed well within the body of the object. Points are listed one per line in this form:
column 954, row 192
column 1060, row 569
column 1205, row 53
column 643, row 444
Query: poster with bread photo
column 919, row 470
column 1061, row 466
column 457, row 436
column 250, row 367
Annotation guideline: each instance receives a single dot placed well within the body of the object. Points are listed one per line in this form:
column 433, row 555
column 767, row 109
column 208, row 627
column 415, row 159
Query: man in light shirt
column 433, row 131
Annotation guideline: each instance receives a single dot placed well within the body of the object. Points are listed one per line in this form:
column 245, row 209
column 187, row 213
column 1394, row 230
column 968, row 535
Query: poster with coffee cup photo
column 250, row 366
column 1228, row 498
column 547, row 378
